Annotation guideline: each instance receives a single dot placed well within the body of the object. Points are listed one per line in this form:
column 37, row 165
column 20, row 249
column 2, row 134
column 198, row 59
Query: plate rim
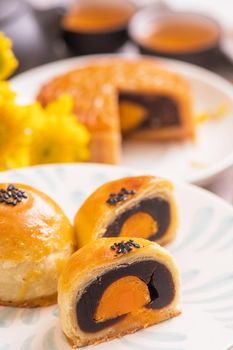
column 181, row 184
column 210, row 78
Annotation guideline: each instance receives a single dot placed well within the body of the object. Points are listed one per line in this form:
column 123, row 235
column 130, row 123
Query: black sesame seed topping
column 12, row 195
column 115, row 198
column 124, row 246
column 11, row 187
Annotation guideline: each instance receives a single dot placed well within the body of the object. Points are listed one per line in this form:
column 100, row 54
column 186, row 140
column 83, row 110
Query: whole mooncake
column 36, row 239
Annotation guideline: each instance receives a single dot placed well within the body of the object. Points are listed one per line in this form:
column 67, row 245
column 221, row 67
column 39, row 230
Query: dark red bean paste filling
column 156, row 275
column 162, row 111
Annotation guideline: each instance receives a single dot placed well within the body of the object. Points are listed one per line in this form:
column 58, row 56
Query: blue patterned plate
column 203, row 250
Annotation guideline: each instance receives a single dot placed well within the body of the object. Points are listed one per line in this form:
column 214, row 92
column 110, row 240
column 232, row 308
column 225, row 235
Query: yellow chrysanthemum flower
column 8, row 61
column 34, row 135
column 6, row 94
column 57, row 137
column 13, row 131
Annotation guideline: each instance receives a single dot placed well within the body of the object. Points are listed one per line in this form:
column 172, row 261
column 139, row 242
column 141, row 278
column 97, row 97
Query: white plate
column 203, row 250
column 213, row 149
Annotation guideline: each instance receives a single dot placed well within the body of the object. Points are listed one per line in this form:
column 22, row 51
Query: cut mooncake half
column 139, row 206
column 138, row 98
column 112, row 287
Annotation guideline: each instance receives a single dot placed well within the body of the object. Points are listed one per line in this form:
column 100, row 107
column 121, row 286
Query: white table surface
column 223, row 186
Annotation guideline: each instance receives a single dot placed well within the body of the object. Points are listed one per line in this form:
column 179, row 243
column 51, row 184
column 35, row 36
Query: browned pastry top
column 32, row 225
column 96, row 85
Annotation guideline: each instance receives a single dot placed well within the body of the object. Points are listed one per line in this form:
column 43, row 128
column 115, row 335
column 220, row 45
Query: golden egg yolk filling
column 123, row 296
column 139, row 225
